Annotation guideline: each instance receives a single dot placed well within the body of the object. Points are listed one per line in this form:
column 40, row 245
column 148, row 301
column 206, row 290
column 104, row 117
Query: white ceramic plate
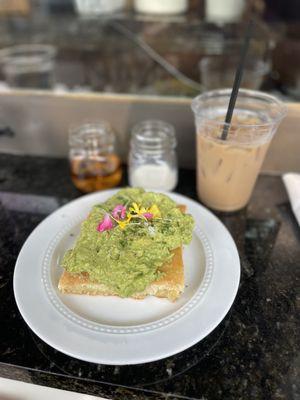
column 111, row 330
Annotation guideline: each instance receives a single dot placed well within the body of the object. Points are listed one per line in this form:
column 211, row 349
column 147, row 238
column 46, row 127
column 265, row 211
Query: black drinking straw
column 237, row 80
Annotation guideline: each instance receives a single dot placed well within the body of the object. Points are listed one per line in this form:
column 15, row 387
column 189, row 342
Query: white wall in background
column 41, row 121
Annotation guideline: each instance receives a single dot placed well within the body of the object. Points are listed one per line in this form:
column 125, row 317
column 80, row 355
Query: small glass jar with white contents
column 152, row 158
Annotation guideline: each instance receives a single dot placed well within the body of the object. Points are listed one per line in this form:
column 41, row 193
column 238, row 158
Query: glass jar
column 161, row 7
column 98, row 7
column 29, row 66
column 94, row 163
column 152, row 158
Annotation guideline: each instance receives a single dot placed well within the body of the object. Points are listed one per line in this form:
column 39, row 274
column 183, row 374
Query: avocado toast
column 129, row 246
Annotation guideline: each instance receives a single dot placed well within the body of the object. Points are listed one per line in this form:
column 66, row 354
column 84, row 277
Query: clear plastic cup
column 227, row 169
column 218, row 71
column 29, row 66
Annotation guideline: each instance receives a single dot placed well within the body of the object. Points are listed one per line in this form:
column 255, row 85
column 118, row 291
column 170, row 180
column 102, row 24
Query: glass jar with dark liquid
column 93, row 160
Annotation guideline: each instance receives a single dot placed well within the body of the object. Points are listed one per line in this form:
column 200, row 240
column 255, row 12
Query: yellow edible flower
column 137, row 209
column 124, row 223
column 140, row 211
column 154, row 210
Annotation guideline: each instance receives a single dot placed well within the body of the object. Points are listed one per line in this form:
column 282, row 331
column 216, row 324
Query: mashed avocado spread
column 127, row 259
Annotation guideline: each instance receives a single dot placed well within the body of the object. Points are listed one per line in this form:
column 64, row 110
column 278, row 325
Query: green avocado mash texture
column 128, row 260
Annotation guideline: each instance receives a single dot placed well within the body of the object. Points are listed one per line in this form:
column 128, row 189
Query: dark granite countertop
column 252, row 354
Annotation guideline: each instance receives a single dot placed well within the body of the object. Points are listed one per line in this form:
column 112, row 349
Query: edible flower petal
column 106, row 224
column 123, row 224
column 147, row 215
column 154, row 210
column 135, row 208
column 119, row 212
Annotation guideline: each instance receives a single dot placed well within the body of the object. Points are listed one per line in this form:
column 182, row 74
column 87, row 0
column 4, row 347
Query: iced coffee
column 227, row 169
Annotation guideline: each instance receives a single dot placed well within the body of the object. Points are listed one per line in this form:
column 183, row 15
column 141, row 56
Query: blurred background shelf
column 110, row 52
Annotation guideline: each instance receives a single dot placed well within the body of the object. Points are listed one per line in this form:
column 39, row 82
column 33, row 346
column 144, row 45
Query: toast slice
column 169, row 285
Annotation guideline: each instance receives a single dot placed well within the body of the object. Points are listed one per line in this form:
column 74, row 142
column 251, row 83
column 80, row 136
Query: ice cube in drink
column 226, row 171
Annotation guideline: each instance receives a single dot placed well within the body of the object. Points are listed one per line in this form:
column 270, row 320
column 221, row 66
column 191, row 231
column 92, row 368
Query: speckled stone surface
column 252, row 354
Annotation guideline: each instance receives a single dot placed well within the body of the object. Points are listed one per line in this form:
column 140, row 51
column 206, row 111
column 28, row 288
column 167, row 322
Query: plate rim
column 135, row 359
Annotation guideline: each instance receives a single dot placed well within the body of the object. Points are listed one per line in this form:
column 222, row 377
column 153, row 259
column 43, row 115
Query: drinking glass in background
column 169, row 7
column 98, row 7
column 94, row 162
column 220, row 11
column 218, row 71
column 227, row 169
column 152, row 157
column 29, row 66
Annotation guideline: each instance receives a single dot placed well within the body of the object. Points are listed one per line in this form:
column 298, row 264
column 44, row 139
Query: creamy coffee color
column 227, row 172
column 227, row 169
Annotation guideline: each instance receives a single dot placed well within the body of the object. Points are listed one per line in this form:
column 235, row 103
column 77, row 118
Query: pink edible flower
column 119, row 212
column 148, row 215
column 106, row 224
